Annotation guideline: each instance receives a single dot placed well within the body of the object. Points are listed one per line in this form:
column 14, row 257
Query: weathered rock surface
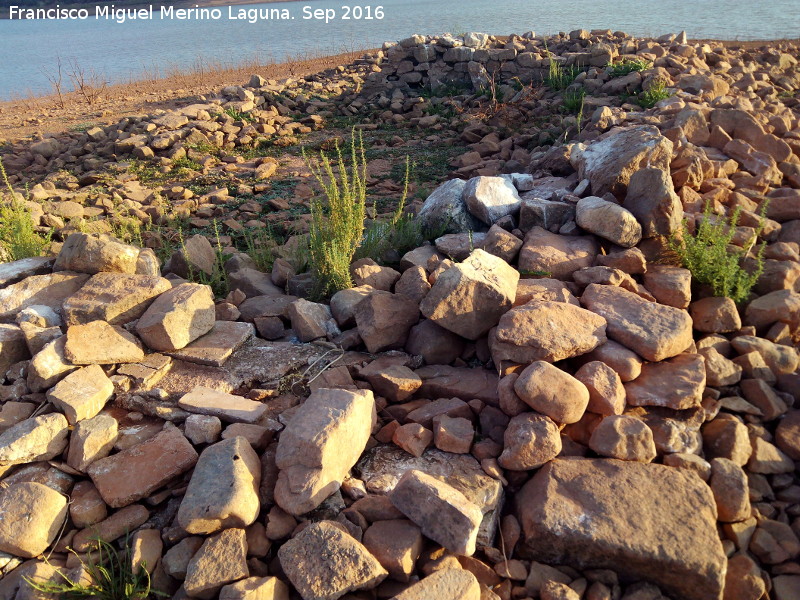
column 676, row 383
column 31, row 515
column 217, row 346
column 469, row 298
column 40, row 290
column 219, row 561
column 652, row 330
column 94, row 252
column 177, row 317
column 98, row 343
column 571, row 513
column 623, row 437
column 491, row 198
column 40, row 438
column 609, row 221
column 444, row 584
column 384, row 319
column 320, row 444
column 227, row 407
column 116, row 298
column 223, row 490
column 324, row 563
column 556, row 256
column 442, row 513
column 530, row 440
column 135, row 473
column 82, row 394
column 446, row 209
column 552, row 392
column 549, row 331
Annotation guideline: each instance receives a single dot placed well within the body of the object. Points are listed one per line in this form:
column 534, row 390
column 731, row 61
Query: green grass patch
column 238, row 115
column 706, row 254
column 573, row 100
column 649, row 98
column 111, row 574
column 627, row 66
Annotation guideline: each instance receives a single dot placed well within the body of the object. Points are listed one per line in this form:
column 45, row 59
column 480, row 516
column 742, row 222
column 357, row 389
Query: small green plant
column 627, row 66
column 112, row 576
column 573, row 100
column 657, row 92
column 18, row 237
column 238, row 115
column 338, row 224
column 260, row 246
column 558, row 76
column 707, row 256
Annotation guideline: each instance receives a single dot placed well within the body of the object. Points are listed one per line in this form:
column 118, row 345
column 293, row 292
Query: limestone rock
column 552, row 392
column 82, row 394
column 610, row 162
column 652, row 330
column 677, row 383
column 446, row 209
column 572, row 513
column 549, row 331
column 32, row 515
column 324, row 563
column 469, row 298
column 40, row 438
column 442, row 513
column 491, row 198
column 135, row 473
column 49, row 365
column 98, row 343
column 177, row 317
column 116, row 298
column 609, row 221
column 94, row 252
column 554, row 255
column 223, row 490
column 319, row 445
column 222, row 559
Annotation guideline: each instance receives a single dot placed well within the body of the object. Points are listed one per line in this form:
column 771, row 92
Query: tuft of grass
column 558, row 76
column 112, row 576
column 627, row 66
column 657, row 92
column 573, row 100
column 260, row 246
column 238, row 115
column 218, row 279
column 338, row 224
column 707, row 256
column 18, row 237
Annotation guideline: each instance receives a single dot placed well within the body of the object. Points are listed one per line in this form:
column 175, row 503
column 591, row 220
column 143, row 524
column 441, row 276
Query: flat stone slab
column 116, row 298
column 217, row 346
column 654, row 331
column 229, row 408
column 135, row 473
column 47, row 290
column 382, row 467
column 644, row 521
column 17, row 270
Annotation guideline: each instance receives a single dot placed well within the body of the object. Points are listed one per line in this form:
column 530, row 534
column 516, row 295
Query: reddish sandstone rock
column 548, row 331
column 469, row 298
column 444, row 584
column 652, row 330
column 440, row 381
column 572, row 513
column 95, row 252
column 530, row 441
column 116, row 298
column 676, row 383
column 32, row 515
column 397, row 544
column 623, row 437
column 554, row 255
column 606, row 392
column 383, row 320
column 552, row 392
column 135, row 473
column 177, row 317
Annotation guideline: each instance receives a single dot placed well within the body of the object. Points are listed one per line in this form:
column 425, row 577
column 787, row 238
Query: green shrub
column 627, row 66
column 707, row 256
column 657, row 92
column 338, row 224
column 112, row 578
column 18, row 237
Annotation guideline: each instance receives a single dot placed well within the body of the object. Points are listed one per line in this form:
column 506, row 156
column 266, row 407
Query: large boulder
column 116, row 298
column 96, row 252
column 652, row 330
column 630, row 517
column 543, row 330
column 650, row 197
column 609, row 163
column 32, row 515
column 320, row 444
column 384, row 320
column 469, row 298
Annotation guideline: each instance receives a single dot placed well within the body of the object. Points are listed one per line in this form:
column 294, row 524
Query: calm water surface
column 121, row 52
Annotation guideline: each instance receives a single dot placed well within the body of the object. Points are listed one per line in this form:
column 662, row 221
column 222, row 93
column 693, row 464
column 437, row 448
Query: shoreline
column 36, row 115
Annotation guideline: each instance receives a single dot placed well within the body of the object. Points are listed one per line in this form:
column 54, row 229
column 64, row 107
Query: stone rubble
column 538, row 404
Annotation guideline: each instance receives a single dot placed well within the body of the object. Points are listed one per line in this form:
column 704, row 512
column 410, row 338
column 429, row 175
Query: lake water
column 124, row 51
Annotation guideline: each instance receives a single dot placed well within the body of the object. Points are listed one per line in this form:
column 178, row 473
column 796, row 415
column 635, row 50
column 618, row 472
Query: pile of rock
column 536, row 405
